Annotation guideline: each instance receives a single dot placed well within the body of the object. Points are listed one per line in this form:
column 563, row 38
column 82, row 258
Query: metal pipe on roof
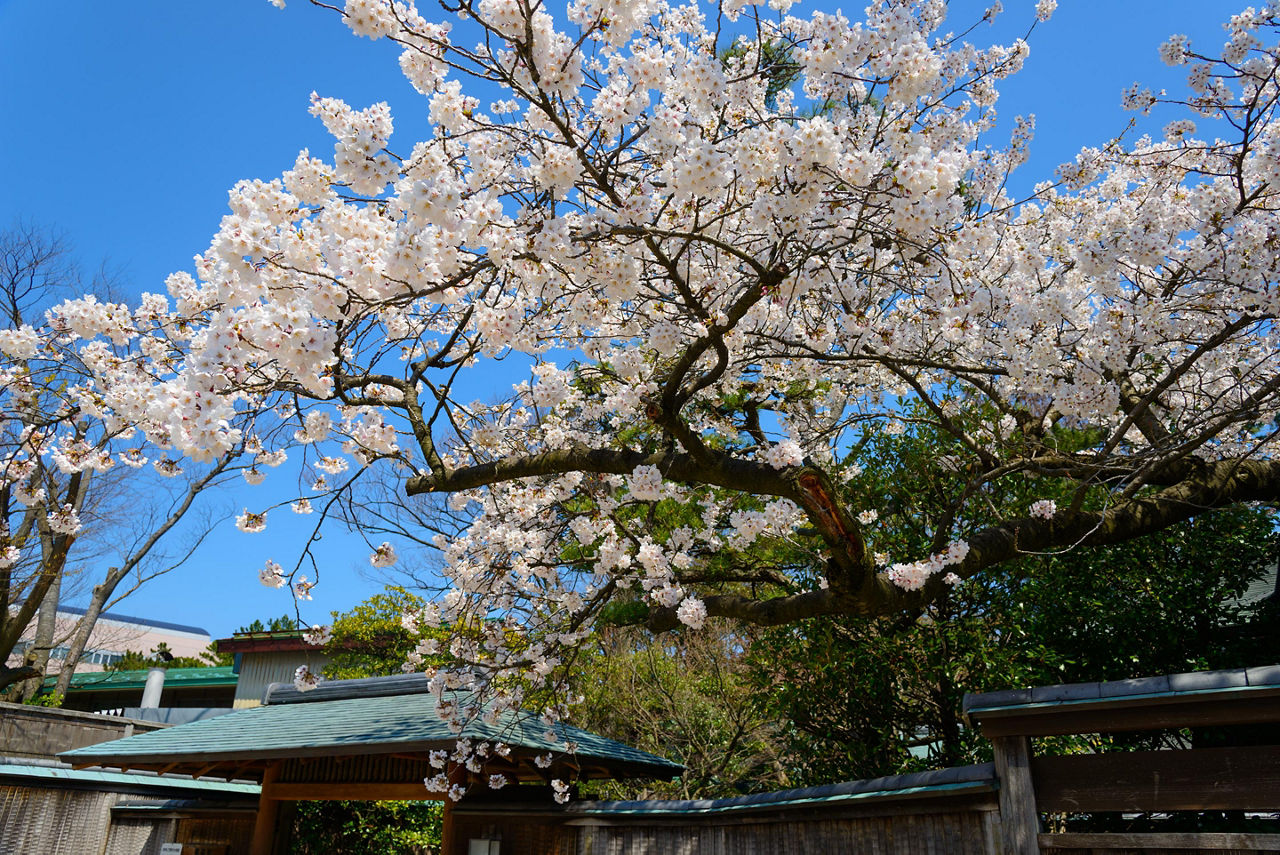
column 152, row 690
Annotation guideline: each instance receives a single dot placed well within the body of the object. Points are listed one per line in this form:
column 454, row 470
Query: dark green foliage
column 859, row 699
column 857, row 696
column 370, row 640
column 367, row 828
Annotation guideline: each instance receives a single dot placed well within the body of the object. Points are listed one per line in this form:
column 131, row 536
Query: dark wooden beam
column 1177, row 840
column 457, row 774
column 1245, row 778
column 349, row 791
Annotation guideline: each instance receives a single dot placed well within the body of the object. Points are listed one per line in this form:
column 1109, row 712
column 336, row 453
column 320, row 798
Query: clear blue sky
column 125, row 125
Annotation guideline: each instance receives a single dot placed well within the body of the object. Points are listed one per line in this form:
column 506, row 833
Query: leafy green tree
column 372, row 640
column 685, row 696
column 853, row 697
column 367, row 828
column 866, row 698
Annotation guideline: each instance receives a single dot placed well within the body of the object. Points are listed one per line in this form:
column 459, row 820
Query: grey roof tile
column 1264, row 675
column 333, row 690
column 1004, row 698
column 1196, row 681
column 1066, row 692
column 979, row 776
column 1136, row 686
column 1200, row 681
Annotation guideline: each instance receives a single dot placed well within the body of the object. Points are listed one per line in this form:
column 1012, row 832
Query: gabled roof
column 363, row 724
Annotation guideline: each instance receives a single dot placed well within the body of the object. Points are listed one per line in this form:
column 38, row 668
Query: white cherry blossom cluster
column 383, row 556
column 1043, row 508
column 65, row 520
column 913, row 575
column 272, row 575
column 317, row 635
column 304, row 679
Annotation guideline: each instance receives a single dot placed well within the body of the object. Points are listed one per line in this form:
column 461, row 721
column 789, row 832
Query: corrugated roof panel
column 173, row 678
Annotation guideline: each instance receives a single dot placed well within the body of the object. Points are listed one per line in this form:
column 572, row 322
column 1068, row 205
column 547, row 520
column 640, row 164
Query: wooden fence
column 994, row 809
column 61, row 821
column 953, row 811
column 1235, row 778
column 31, row 732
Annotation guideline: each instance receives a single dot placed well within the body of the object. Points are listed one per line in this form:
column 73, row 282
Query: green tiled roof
column 127, row 779
column 174, row 678
column 363, row 725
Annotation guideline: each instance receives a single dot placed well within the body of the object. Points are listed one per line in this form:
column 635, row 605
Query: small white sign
column 170, row 849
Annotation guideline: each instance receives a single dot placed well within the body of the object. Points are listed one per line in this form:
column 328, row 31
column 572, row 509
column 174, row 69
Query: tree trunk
column 37, row 655
column 84, row 628
column 9, row 676
column 53, row 560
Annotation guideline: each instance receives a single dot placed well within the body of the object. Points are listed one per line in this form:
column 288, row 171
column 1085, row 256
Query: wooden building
column 363, row 739
column 48, row 807
column 264, row 658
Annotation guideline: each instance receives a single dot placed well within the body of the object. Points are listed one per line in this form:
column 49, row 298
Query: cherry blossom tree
column 71, row 496
column 720, row 287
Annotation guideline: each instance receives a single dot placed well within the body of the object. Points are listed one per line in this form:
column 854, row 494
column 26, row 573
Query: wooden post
column 1019, row 822
column 448, row 844
column 286, row 816
column 264, row 826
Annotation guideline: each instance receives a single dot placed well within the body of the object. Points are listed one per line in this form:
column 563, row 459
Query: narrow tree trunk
column 9, row 676
column 84, row 628
column 53, row 559
column 37, row 655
